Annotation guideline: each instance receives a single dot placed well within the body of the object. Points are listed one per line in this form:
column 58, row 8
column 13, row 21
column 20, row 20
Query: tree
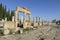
column 12, row 14
column 4, row 13
column 8, row 15
column 1, row 11
column 58, row 22
column 54, row 21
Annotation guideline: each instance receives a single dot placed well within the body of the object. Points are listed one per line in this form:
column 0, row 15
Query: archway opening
column 27, row 18
column 20, row 19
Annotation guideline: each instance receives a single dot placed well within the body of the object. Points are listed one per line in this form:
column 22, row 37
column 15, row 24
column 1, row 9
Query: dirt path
column 46, row 32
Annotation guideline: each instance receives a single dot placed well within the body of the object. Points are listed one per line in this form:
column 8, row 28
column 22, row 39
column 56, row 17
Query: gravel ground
column 43, row 32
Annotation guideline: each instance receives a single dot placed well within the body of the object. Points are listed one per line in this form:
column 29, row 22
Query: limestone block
column 35, row 24
column 9, row 25
column 40, row 24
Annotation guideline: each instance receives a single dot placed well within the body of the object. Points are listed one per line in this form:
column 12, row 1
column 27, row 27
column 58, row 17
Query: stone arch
column 25, row 11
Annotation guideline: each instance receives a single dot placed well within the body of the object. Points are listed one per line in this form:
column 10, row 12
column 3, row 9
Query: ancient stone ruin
column 36, row 22
column 13, row 25
column 25, row 11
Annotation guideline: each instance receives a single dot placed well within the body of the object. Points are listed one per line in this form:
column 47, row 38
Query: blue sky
column 45, row 9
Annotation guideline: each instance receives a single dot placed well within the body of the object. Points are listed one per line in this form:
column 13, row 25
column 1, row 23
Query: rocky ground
column 41, row 33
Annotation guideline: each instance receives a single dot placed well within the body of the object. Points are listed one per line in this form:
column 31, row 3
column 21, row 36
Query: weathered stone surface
column 9, row 25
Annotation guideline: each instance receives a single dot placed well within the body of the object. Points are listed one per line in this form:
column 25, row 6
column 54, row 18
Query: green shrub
column 41, row 39
column 26, row 29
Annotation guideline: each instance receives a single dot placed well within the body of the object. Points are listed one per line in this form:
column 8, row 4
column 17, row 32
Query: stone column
column 16, row 17
column 24, row 20
column 34, row 21
column 12, row 18
column 39, row 21
column 5, row 19
column 42, row 22
column 29, row 20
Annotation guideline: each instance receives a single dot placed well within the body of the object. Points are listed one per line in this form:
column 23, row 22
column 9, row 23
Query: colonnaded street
column 29, row 20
